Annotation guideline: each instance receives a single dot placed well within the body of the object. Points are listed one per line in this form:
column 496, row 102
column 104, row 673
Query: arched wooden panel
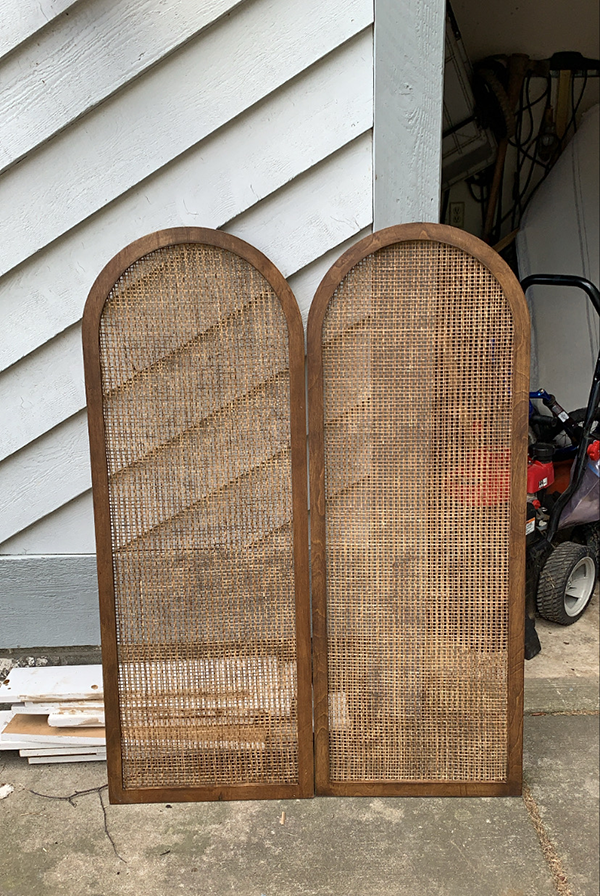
column 194, row 360
column 418, row 354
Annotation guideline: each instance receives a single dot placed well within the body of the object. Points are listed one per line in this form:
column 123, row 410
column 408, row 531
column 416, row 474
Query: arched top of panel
column 171, row 239
column 411, row 233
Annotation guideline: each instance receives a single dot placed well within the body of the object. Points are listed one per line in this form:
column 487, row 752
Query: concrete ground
column 539, row 845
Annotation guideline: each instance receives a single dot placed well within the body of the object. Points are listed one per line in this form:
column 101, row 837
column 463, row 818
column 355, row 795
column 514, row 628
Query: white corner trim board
column 409, row 67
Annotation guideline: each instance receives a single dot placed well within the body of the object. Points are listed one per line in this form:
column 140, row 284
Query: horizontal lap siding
column 23, row 20
column 216, row 181
column 190, row 94
column 38, row 101
column 255, row 117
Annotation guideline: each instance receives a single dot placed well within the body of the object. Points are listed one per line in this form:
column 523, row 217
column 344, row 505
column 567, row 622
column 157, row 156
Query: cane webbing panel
column 417, row 346
column 196, row 407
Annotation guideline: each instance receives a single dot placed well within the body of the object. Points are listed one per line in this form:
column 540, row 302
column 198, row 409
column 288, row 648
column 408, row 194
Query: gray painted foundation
column 50, row 601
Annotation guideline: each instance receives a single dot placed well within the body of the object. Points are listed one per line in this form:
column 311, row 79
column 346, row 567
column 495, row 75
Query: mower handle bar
column 564, row 280
column 581, row 458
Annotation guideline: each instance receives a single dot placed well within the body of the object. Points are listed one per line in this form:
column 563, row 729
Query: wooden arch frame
column 512, row 783
column 100, row 480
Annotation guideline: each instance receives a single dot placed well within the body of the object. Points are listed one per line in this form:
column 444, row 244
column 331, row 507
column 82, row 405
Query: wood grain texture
column 344, row 208
column 45, row 475
column 67, row 530
column 409, row 62
column 90, row 332
column 21, row 21
column 516, row 548
column 255, row 155
column 42, row 391
column 119, row 796
column 56, row 596
column 103, row 45
column 194, row 92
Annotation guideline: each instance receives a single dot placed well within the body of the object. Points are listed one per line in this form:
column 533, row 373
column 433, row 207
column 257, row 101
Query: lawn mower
column 563, row 497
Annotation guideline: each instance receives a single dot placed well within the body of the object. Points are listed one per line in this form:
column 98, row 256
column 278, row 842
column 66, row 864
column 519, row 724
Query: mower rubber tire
column 566, row 583
column 589, row 534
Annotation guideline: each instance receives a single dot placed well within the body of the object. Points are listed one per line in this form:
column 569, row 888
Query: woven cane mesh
column 195, row 378
column 417, row 346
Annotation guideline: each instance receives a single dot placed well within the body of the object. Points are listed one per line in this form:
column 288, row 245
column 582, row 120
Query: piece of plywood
column 24, row 729
column 5, row 717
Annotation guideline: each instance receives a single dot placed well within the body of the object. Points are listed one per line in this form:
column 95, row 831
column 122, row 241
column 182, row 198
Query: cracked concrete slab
column 326, row 847
column 561, row 694
column 561, row 761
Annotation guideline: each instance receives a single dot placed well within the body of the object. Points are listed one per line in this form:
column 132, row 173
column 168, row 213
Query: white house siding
column 121, row 117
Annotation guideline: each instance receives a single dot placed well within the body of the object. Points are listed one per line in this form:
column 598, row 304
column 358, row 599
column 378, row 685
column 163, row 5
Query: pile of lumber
column 56, row 714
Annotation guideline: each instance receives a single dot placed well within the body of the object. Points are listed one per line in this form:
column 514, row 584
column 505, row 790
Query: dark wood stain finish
column 91, row 326
column 519, row 423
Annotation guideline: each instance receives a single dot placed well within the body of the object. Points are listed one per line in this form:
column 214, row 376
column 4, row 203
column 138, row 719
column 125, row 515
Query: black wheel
column 588, row 534
column 566, row 583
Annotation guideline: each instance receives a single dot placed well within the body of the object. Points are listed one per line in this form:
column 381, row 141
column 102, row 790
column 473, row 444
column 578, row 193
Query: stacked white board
column 57, row 714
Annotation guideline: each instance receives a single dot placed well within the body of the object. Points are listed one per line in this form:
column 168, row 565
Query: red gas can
column 539, row 476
